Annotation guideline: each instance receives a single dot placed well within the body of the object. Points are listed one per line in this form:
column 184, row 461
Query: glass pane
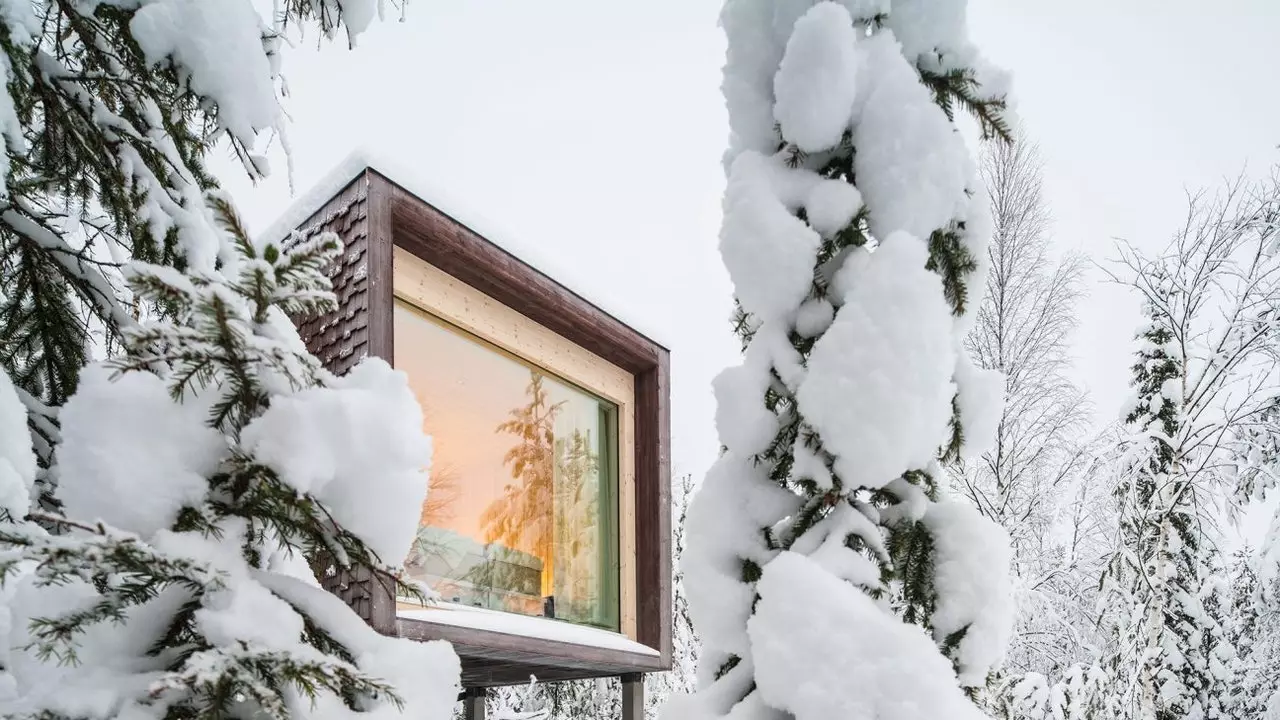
column 521, row 513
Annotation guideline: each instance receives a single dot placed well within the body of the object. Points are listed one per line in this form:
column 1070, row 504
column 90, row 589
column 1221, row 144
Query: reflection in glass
column 521, row 513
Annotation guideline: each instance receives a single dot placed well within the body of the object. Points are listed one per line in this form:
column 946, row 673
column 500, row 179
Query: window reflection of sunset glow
column 521, row 513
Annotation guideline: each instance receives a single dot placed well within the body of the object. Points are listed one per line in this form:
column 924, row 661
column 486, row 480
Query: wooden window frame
column 432, row 291
column 377, row 219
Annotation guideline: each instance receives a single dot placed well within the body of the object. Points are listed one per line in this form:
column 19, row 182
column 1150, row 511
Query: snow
column 247, row 612
column 424, row 674
column 1269, row 560
column 17, row 460
column 768, row 251
column 879, row 387
column 823, row 649
column 19, row 17
column 831, row 205
column 591, row 286
column 758, row 32
column 726, row 515
column 817, row 80
column 217, row 48
column 911, row 163
column 974, row 591
column 807, row 464
column 924, row 26
column 10, row 126
column 130, row 456
column 742, row 420
column 814, row 317
column 113, row 660
column 358, row 448
column 826, row 545
column 445, row 613
column 357, row 15
column 1273, row 707
column 980, row 395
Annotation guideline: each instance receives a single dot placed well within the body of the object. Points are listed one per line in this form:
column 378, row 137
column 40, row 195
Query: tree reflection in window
column 522, row 509
column 550, row 510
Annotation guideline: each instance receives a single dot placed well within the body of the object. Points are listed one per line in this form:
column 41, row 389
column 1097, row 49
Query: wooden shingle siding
column 341, row 339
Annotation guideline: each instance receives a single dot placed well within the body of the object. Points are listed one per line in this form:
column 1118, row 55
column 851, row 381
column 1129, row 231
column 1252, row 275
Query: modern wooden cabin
column 547, row 527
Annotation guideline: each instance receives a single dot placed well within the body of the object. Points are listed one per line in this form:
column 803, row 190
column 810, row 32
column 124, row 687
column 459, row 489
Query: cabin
column 547, row 527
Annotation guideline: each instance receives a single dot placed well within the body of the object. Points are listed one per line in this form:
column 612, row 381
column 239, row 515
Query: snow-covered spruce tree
column 1201, row 433
column 1254, row 631
column 109, row 110
column 1153, row 584
column 826, row 576
column 1083, row 693
column 198, row 473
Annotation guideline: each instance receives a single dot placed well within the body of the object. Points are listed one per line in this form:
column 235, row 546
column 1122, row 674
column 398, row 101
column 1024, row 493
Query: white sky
column 591, row 133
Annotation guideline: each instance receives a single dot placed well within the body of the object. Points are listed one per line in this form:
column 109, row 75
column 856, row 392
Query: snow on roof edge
column 346, row 171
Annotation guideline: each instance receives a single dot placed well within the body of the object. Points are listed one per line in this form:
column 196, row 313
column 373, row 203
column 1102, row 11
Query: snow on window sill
column 446, row 613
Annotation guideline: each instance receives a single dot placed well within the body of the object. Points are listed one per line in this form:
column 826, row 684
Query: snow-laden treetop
column 827, row 575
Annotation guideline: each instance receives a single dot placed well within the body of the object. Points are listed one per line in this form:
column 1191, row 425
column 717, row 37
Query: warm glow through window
column 522, row 511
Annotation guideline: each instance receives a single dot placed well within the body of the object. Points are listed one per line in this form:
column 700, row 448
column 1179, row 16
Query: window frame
column 442, row 296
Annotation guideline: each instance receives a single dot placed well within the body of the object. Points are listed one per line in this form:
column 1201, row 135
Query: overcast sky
column 588, row 134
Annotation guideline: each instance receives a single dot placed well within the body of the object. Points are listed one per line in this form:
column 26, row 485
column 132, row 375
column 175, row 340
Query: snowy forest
column 911, row 506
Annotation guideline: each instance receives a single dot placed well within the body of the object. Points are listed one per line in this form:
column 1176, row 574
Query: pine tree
column 827, row 578
column 109, row 111
column 1169, row 652
column 189, row 594
column 1083, row 693
column 1254, row 631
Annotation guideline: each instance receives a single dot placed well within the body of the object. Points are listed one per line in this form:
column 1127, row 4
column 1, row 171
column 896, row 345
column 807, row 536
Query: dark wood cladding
column 373, row 215
column 340, row 339
column 653, row 506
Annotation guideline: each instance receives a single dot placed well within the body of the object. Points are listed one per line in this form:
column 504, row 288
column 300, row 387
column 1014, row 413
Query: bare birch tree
column 1030, row 481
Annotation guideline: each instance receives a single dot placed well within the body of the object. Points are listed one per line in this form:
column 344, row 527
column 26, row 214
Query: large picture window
column 522, row 513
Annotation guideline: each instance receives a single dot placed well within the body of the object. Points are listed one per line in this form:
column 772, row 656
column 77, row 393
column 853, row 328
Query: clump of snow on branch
column 879, row 384
column 307, row 439
column 823, row 649
column 980, row 396
column 924, row 26
column 131, row 457
column 975, row 594
column 17, row 460
column 831, row 205
column 719, row 603
column 912, row 165
column 816, row 81
column 769, row 252
column 217, row 47
column 741, row 418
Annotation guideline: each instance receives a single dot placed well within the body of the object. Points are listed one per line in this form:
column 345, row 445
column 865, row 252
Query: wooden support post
column 633, row 697
column 473, row 703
